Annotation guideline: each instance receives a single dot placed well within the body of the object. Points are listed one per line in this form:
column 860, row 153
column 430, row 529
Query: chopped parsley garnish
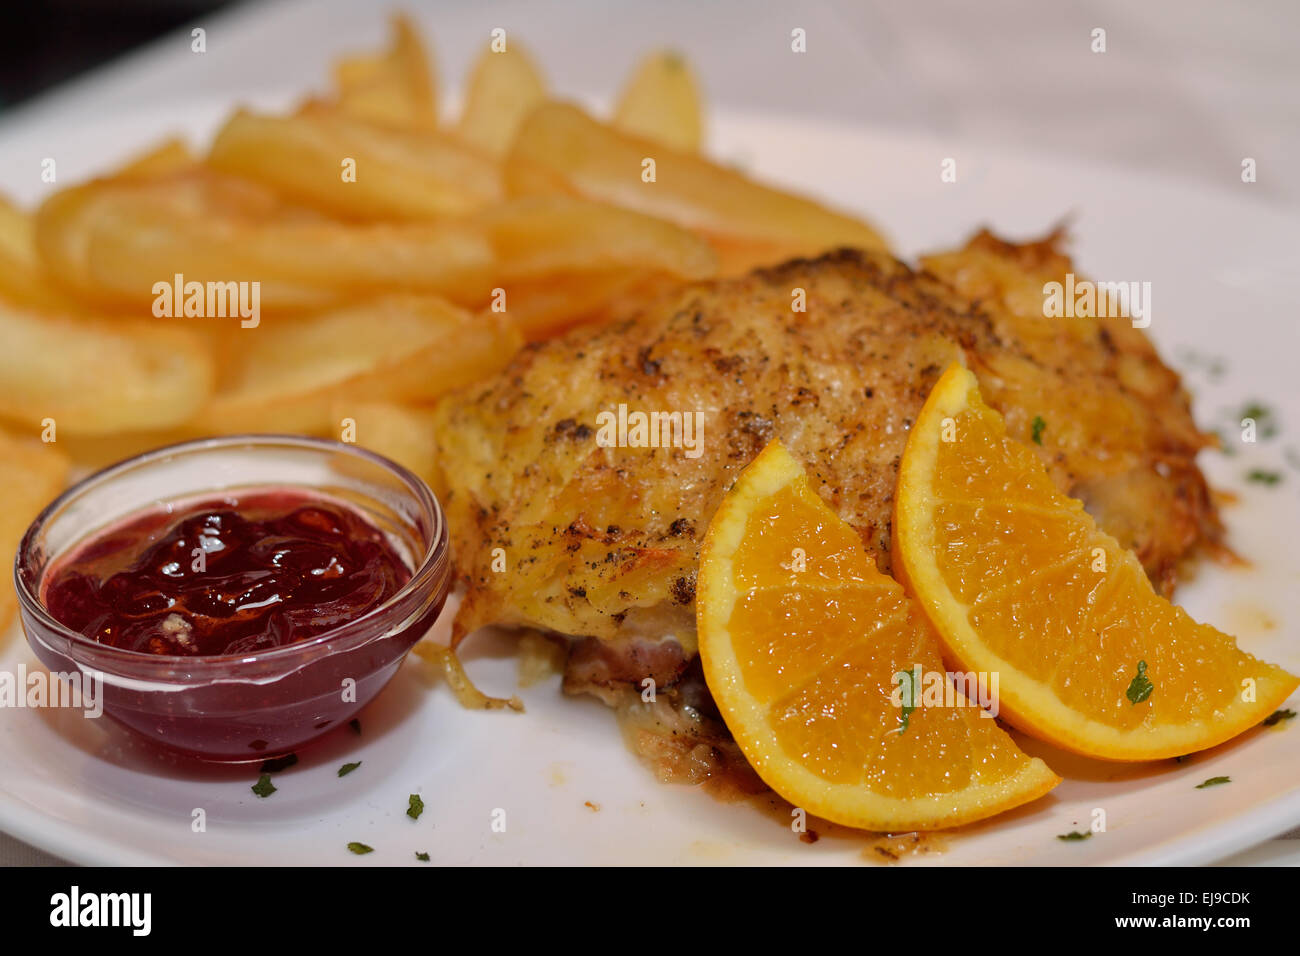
column 1140, row 688
column 1262, row 477
column 279, row 763
column 264, row 787
column 360, row 848
column 908, row 697
column 1212, row 365
column 1037, row 426
column 415, row 806
column 1213, row 782
column 355, row 724
column 422, row 857
column 1074, row 837
column 1278, row 716
column 347, row 768
column 1265, row 423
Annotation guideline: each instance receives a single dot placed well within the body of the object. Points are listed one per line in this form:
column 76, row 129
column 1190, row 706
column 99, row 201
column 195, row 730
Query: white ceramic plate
column 1223, row 284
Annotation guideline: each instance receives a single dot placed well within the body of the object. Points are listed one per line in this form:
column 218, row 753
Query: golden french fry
column 95, row 376
column 403, row 433
column 170, row 156
column 633, row 297
column 23, row 281
column 661, row 102
column 32, row 473
column 548, row 305
column 113, row 241
column 503, row 88
column 467, row 348
column 392, row 88
column 17, row 234
column 537, row 235
column 357, row 170
column 737, row 255
column 90, row 453
column 560, row 149
column 399, row 349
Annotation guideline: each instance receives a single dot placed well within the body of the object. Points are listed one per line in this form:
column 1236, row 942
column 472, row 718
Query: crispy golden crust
column 1118, row 431
column 602, row 542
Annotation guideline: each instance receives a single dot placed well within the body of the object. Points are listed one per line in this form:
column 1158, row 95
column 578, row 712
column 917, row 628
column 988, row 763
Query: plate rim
column 1205, row 844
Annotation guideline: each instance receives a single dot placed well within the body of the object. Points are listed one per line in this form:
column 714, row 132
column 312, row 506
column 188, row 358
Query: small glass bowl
column 235, row 708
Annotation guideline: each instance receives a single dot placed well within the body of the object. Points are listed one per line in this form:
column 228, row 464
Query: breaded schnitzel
column 554, row 530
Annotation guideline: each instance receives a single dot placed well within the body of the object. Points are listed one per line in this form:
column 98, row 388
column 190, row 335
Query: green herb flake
column 1074, row 837
column 1262, row 477
column 1140, row 688
column 1037, row 426
column 1278, row 716
column 360, row 849
column 1262, row 416
column 355, row 724
column 1213, row 782
column 264, row 787
column 279, row 763
column 1213, row 366
column 347, row 768
column 422, row 857
column 908, row 697
column 415, row 806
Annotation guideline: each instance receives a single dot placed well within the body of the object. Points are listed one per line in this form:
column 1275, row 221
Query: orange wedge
column 1017, row 578
column 801, row 639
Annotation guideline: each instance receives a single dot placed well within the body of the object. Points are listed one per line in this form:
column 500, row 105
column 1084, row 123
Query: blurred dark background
column 46, row 42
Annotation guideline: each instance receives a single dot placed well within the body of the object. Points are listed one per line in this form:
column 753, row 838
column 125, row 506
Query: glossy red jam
column 237, row 574
column 235, row 598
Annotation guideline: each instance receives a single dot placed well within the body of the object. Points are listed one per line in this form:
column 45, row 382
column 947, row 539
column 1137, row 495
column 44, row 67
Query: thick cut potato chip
column 560, row 149
column 403, row 433
column 94, row 377
column 464, row 349
column 111, row 241
column 168, row 157
column 548, row 305
column 503, row 88
column 289, row 373
column 394, row 88
column 738, row 256
column 538, row 235
column 23, row 281
column 32, row 473
column 17, row 234
column 357, row 170
column 661, row 102
column 90, row 453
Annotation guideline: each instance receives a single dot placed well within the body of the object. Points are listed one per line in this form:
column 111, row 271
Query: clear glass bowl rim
column 432, row 571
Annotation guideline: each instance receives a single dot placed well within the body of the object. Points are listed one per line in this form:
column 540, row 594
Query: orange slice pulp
column 1018, row 579
column 801, row 641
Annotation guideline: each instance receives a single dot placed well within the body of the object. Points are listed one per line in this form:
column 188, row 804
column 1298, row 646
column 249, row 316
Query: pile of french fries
column 398, row 254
